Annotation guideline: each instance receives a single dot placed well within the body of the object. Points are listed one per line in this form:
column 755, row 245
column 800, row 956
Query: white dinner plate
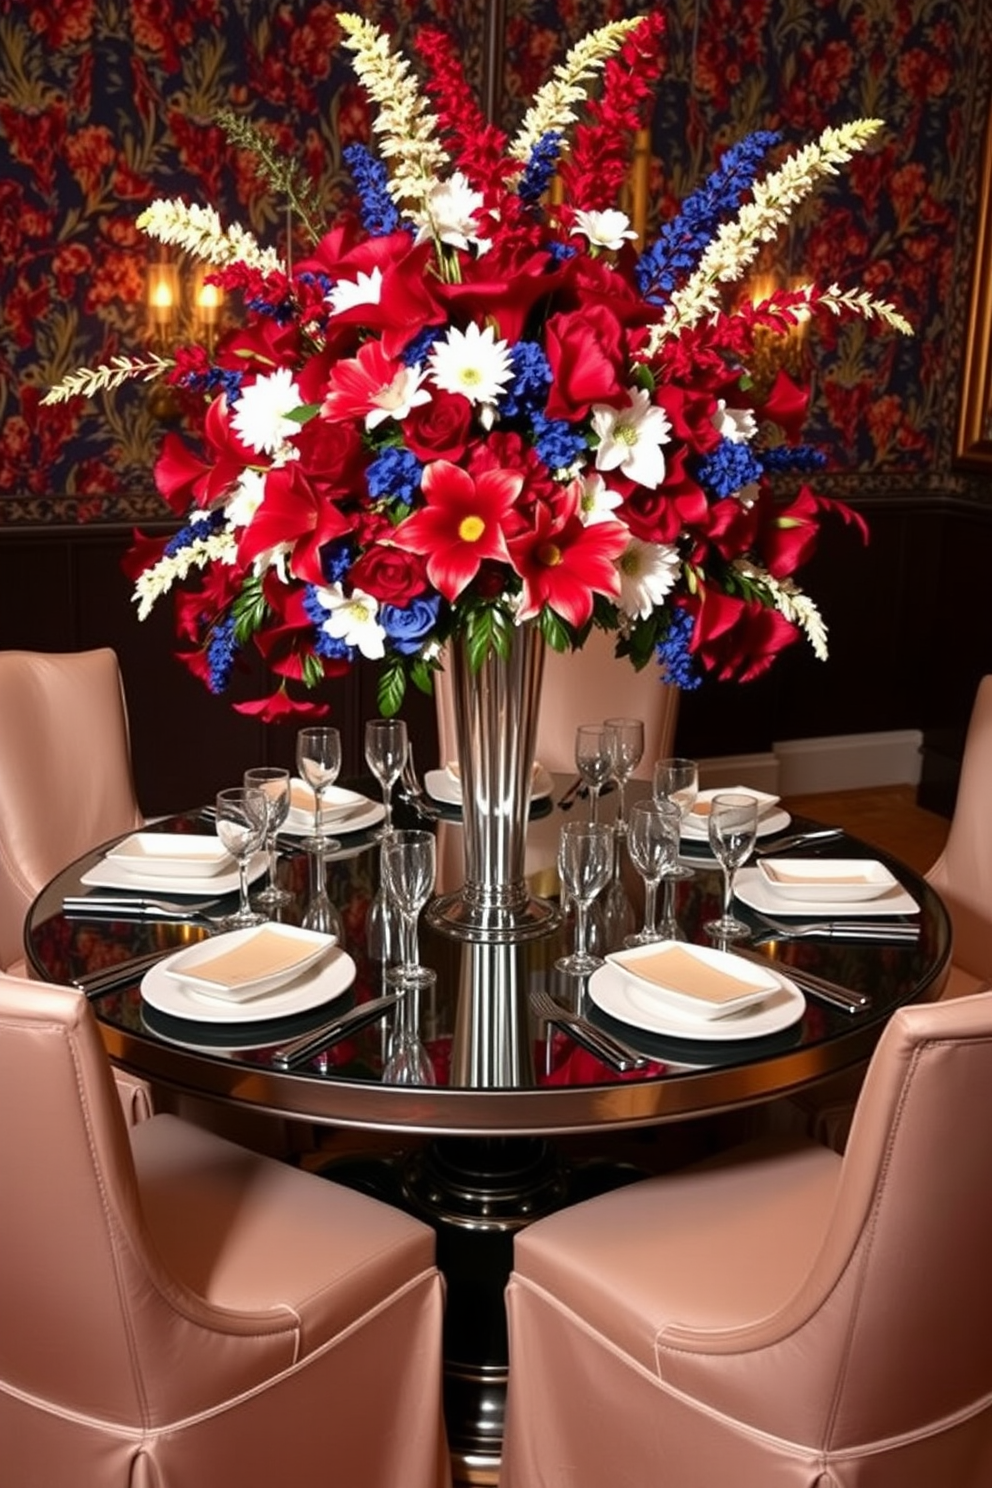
column 356, row 818
column 328, row 979
column 826, row 880
column 107, row 875
column 338, row 803
column 695, row 981
column 774, row 820
column 629, row 1002
column 751, row 889
column 444, row 786
column 171, row 855
column 249, row 963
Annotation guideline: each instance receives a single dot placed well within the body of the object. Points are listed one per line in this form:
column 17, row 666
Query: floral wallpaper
column 105, row 104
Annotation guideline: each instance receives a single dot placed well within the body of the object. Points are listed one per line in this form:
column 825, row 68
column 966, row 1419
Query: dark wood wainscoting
column 908, row 614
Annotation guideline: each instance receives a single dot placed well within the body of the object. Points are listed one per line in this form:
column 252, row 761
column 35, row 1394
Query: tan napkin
column 263, row 955
column 782, row 875
column 679, row 970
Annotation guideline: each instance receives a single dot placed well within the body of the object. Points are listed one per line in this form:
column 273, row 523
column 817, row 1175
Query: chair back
column 65, row 772
column 962, row 875
column 583, row 687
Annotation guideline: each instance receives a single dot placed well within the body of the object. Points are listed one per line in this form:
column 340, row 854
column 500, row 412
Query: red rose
column 390, row 575
column 585, row 350
column 439, row 430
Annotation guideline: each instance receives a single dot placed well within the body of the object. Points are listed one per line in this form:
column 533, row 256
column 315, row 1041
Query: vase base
column 459, row 916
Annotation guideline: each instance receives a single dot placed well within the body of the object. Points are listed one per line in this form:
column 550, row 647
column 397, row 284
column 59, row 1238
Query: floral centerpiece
column 476, row 402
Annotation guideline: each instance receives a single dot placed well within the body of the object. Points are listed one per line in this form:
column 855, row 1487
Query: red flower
column 586, row 353
column 389, row 574
column 440, row 429
column 462, row 523
column 564, row 564
column 292, row 514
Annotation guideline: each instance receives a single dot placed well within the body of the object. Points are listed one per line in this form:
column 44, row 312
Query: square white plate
column 446, row 786
column 695, row 981
column 245, row 964
column 696, row 827
column 170, row 855
column 338, row 804
column 826, row 880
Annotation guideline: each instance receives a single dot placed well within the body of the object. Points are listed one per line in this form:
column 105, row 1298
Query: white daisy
column 365, row 290
column 736, row 424
column 630, row 438
column 648, row 572
column 609, row 229
column 245, row 498
column 260, row 414
column 472, row 362
column 396, row 399
column 449, row 213
column 353, row 620
column 597, row 502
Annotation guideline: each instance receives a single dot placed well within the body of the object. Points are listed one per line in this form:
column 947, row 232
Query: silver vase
column 496, row 728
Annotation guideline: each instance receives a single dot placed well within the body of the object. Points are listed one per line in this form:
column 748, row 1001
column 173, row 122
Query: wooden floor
column 886, row 816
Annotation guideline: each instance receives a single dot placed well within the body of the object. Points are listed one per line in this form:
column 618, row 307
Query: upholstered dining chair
column 177, row 1312
column 65, row 773
column 583, row 687
column 783, row 1315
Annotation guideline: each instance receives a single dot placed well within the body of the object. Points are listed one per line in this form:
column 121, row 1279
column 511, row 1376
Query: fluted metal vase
column 496, row 727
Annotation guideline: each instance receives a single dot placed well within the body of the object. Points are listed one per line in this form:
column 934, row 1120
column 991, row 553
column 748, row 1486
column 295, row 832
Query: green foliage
column 249, row 610
column 391, row 687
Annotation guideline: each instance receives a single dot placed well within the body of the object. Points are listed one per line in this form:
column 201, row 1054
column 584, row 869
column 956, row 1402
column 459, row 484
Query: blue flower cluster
column 793, row 457
column 408, row 628
column 194, row 532
column 540, row 167
column 379, row 214
column 729, row 468
column 673, row 652
column 556, row 442
column 324, row 645
column 396, row 473
column 677, row 249
column 221, row 652
column 531, row 379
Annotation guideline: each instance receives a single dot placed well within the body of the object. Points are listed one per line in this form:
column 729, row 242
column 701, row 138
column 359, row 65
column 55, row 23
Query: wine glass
column 585, row 862
column 653, row 844
column 626, row 743
column 733, row 826
column 386, row 746
column 318, row 759
column 240, row 821
column 593, row 761
column 274, row 785
column 408, row 869
column 677, row 780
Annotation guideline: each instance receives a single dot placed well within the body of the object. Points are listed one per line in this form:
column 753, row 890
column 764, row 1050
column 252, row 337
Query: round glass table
column 506, row 1082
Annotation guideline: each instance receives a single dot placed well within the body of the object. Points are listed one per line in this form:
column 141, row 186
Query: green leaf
column 248, row 610
column 312, row 672
column 422, row 675
column 304, row 413
column 391, row 689
column 643, row 377
column 554, row 630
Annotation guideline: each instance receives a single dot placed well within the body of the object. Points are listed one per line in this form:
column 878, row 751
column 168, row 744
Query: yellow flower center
column 550, row 555
column 470, row 529
column 470, row 377
column 624, row 433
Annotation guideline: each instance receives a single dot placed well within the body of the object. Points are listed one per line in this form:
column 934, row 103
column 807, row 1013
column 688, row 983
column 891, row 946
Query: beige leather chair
column 178, row 1312
column 583, row 687
column 785, row 1316
column 65, row 773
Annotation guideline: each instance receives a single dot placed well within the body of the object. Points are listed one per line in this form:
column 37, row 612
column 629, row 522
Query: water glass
column 274, row 785
column 593, row 761
column 585, row 862
column 386, row 747
column 677, row 780
column 733, row 827
column 626, row 743
column 318, row 759
column 653, row 844
column 408, row 870
column 240, row 822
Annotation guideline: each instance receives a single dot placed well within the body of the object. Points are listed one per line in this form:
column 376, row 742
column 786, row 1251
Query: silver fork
column 139, row 908
column 604, row 1045
column 413, row 793
column 838, row 929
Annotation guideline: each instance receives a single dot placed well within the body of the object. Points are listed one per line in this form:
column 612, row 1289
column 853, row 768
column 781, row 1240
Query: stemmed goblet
column 733, row 827
column 386, row 746
column 408, row 871
column 626, row 744
column 677, row 780
column 585, row 862
column 240, row 823
column 274, row 785
column 593, row 761
column 318, row 759
column 653, row 844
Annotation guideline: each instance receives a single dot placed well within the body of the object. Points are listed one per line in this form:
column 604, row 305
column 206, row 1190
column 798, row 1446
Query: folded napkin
column 783, row 875
column 266, row 954
column 675, row 969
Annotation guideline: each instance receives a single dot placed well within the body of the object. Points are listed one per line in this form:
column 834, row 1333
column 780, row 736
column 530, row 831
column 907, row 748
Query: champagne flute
column 240, row 823
column 386, row 746
column 408, row 1062
column 626, row 742
column 274, row 785
column 677, row 780
column 408, row 869
column 733, row 827
column 585, row 862
column 593, row 761
column 318, row 759
column 653, row 844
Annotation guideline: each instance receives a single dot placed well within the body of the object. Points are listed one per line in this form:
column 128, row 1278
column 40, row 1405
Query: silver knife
column 798, row 839
column 109, row 978
column 832, row 992
column 299, row 1050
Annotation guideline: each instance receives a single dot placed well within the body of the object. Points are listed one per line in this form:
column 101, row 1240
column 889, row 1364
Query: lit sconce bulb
column 163, row 293
column 208, row 302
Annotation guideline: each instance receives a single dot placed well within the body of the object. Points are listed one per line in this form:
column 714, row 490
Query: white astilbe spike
column 736, row 244
column 406, row 125
column 89, row 380
column 198, row 231
column 858, row 302
column 791, row 602
column 219, row 547
column 553, row 106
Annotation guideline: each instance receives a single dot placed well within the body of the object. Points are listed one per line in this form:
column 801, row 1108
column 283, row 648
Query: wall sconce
column 163, row 303
column 181, row 308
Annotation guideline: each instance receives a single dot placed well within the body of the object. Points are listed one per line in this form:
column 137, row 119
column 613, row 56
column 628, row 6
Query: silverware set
column 597, row 1041
column 831, row 992
column 137, row 907
column 300, row 1050
column 865, row 929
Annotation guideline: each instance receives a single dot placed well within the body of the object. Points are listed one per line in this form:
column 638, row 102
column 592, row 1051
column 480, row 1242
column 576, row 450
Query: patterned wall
column 107, row 103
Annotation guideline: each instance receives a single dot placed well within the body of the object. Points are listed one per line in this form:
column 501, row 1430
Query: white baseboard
column 799, row 767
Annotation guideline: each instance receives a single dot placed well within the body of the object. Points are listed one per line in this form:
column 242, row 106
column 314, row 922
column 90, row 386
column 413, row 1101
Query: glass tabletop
column 499, row 1069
